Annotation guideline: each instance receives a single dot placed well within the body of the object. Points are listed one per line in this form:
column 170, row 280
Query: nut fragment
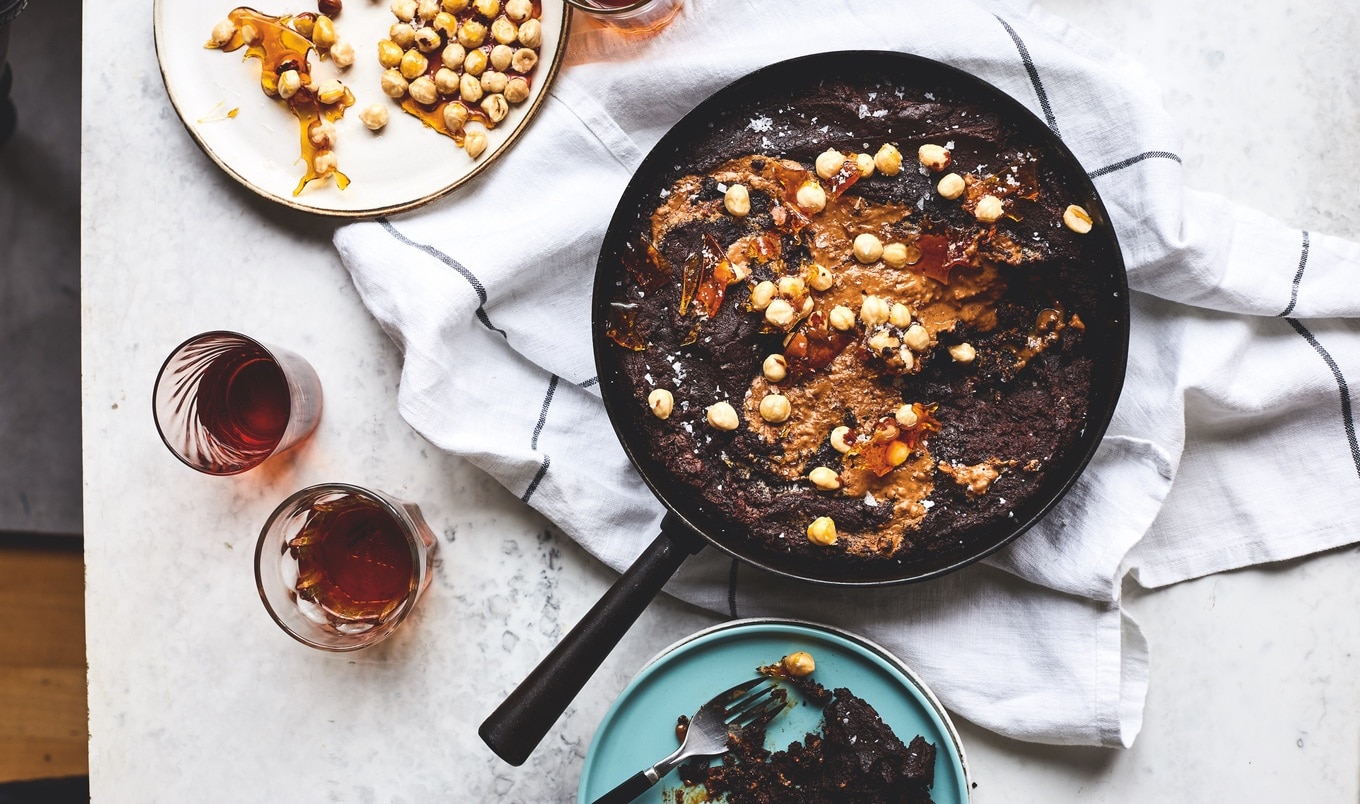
column 325, row 162
column 762, row 294
column 825, row 478
column 722, row 416
column 881, row 341
column 951, row 186
column 841, row 318
column 517, row 89
column 474, row 142
column 811, row 197
column 820, row 278
column 933, row 156
column 775, row 408
column 661, row 402
column 874, row 311
column 888, row 160
column 1077, row 219
column 453, row 56
column 865, row 163
column 321, row 133
column 780, row 313
column 868, row 248
column 323, row 33
column 906, row 416
column 342, row 53
column 470, row 88
column 829, row 163
column 775, row 368
column 838, row 441
column 428, row 39
column 900, row 315
column 330, row 91
column 289, row 83
column 496, row 107
column 895, row 255
column 519, row 10
column 737, row 200
column 504, row 31
column 394, row 84
column 222, row 32
column 374, row 116
column 798, row 664
column 916, row 337
column 963, row 353
column 822, row 531
column 989, row 209
column 455, row 115
column 413, row 64
column 531, row 33
column 424, row 91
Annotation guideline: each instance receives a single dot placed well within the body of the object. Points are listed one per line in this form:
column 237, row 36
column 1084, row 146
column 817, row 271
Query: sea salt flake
column 927, row 504
column 930, row 96
column 949, row 146
column 863, row 111
column 869, row 499
column 759, row 124
column 881, row 113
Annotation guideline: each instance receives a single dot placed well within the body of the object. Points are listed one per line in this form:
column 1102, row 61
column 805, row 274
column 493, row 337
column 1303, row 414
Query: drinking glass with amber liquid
column 340, row 567
column 631, row 16
column 224, row 402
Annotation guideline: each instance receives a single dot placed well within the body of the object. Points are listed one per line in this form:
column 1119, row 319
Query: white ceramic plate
column 398, row 168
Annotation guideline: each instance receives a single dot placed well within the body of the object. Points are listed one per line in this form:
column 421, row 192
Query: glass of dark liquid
column 224, row 402
column 340, row 567
column 634, row 16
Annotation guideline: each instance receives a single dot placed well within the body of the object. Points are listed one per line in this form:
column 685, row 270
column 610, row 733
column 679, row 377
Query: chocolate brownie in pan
column 854, row 320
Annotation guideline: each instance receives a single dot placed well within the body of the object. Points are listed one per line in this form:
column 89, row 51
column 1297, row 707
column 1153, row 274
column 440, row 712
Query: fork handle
column 631, row 788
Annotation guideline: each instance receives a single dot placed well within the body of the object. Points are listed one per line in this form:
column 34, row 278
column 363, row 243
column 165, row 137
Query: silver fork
column 728, row 711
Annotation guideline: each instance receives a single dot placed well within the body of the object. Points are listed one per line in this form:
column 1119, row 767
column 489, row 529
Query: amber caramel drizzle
column 280, row 48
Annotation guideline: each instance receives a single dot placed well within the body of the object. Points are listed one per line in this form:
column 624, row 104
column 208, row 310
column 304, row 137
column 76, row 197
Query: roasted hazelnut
column 829, row 163
column 825, row 478
column 882, row 341
column 471, row 34
column 493, row 82
column 1077, row 219
column 403, row 35
column 454, row 6
column 841, row 318
column 874, row 311
column 865, row 163
column 780, row 313
column 428, row 39
column 453, row 56
column 722, row 416
column 963, row 353
column 289, row 83
column 811, row 197
column 906, row 416
column 775, row 368
column 791, row 286
column 916, row 337
column 250, row 34
column 405, row 10
column 504, row 31
column 775, row 408
column 470, row 88
column 427, row 9
column 838, row 441
column 908, row 359
column 897, row 453
column 501, row 56
column 737, row 201
column 446, row 81
column 475, row 63
column 888, row 160
column 424, row 91
column 762, row 294
column 487, row 8
column 394, row 84
column 517, row 90
column 519, row 10
column 524, row 60
column 374, row 116
column 445, row 23
column 222, row 33
column 455, row 115
column 389, row 53
column 899, row 315
column 895, row 255
column 951, row 186
column 323, row 33
column 474, row 142
column 325, row 162
column 661, row 402
column 820, row 278
column 321, row 133
column 868, row 248
column 989, row 209
column 496, row 107
column 935, row 157
column 342, row 54
column 531, row 33
column 798, row 664
column 413, row 64
column 822, row 531
column 305, row 24
column 330, row 92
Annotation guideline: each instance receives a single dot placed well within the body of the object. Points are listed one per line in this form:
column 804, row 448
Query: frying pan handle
column 520, row 722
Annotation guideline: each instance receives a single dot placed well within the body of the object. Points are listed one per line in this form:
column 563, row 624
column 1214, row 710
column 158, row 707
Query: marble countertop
column 196, row 695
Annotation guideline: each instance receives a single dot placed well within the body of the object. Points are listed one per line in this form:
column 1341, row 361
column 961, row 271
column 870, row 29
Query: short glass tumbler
column 634, row 16
column 341, row 567
column 224, row 403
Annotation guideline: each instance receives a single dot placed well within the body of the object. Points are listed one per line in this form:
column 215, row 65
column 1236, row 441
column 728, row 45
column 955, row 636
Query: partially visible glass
column 339, row 567
column 640, row 16
column 224, row 403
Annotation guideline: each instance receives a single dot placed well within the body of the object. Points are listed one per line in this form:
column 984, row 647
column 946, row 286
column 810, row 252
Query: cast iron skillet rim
column 607, row 270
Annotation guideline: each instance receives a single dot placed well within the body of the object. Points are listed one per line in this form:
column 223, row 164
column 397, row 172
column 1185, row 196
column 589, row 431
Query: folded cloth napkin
column 1241, row 346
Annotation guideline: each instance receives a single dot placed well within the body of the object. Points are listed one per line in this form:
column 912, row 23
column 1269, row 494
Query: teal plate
column 639, row 728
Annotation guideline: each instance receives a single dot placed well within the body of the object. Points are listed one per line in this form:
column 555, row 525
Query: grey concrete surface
column 40, row 480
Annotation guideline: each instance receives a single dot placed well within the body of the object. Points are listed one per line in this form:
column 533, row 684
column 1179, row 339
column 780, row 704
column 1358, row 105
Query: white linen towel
column 1243, row 335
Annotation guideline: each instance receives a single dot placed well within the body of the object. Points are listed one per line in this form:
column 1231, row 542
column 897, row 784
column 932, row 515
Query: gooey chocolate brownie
column 859, row 323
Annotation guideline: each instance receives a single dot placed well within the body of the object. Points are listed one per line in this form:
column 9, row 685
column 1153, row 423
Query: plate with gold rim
column 257, row 140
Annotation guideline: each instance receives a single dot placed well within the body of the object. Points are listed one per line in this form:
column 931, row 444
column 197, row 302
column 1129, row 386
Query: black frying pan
column 730, row 119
